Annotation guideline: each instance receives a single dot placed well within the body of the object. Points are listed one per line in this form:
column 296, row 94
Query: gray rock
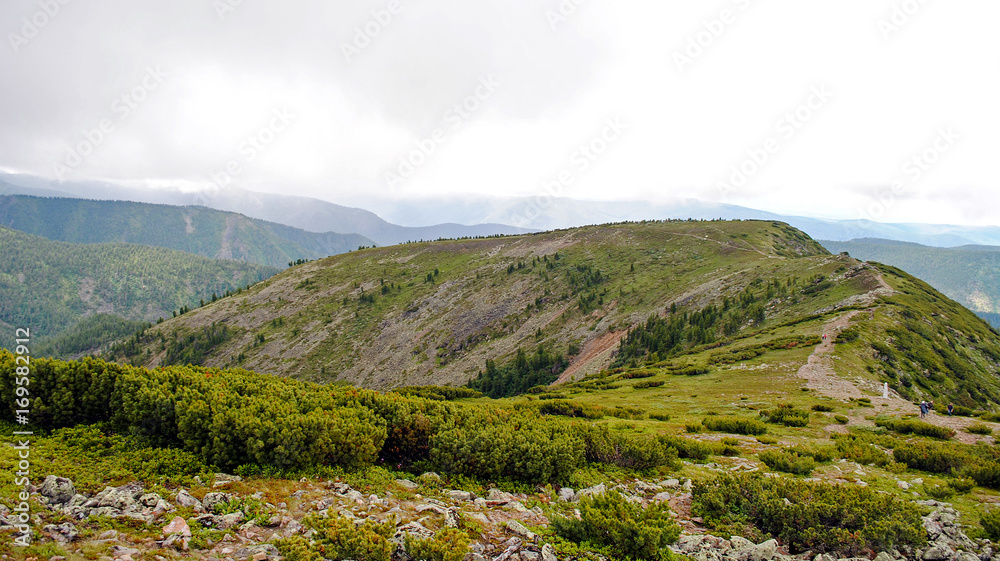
column 824, row 557
column 549, row 553
column 452, row 519
column 149, row 499
column 518, row 529
column 764, row 551
column 966, row 556
column 670, row 483
column 177, row 526
column 184, row 499
column 416, row 529
column 883, row 556
column 566, row 494
column 459, row 495
column 938, row 552
column 529, row 556
column 432, row 508
column 407, row 484
column 251, row 551
column 661, row 497
column 230, row 520
column 740, row 543
column 59, row 490
column 65, row 532
column 354, row 496
column 595, row 490
column 212, row 500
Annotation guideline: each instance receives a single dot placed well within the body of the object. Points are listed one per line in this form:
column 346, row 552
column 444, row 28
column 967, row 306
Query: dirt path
column 818, row 371
column 819, row 374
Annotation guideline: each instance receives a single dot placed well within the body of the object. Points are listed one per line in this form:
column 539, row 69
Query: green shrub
column 687, row 447
column 979, row 428
column 659, row 417
column 788, row 462
column 648, row 384
column 570, row 409
column 939, row 491
column 693, row 428
column 990, row 417
column 862, row 452
column 339, row 538
column 841, row 419
column 297, row 548
column 844, row 519
column 911, row 426
column 626, row 412
column 822, row 408
column 730, row 441
column 624, row 528
column 449, row 544
column 734, row 425
column 786, row 415
column 626, row 450
column 962, row 484
column 769, row 440
column 990, row 521
column 929, row 456
column 819, row 453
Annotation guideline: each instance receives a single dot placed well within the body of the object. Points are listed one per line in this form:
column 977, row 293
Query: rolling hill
column 198, row 230
column 558, row 304
column 50, row 286
column 969, row 274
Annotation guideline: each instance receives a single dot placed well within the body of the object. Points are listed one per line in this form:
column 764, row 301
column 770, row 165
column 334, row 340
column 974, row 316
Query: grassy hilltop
column 688, row 358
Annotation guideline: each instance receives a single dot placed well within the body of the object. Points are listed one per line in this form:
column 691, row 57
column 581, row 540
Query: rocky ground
column 502, row 519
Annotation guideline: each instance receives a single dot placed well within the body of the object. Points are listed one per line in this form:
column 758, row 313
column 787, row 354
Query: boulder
column 65, row 532
column 212, row 500
column 661, row 497
column 549, row 553
column 460, row 495
column 566, row 494
column 59, row 490
column 177, row 526
column 185, row 499
column 764, row 551
column 518, row 529
column 230, row 520
column 407, row 484
column 938, row 552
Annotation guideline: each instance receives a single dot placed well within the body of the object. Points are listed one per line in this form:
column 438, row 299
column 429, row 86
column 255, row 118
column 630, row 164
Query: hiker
column 951, row 409
column 923, row 409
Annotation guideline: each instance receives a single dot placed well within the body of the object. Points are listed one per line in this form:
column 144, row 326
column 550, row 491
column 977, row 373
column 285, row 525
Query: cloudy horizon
column 880, row 110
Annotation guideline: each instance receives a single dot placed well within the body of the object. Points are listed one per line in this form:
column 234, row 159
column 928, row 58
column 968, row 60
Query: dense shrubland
column 232, row 418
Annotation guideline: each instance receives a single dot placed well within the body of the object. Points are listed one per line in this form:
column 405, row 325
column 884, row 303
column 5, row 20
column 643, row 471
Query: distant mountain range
column 396, row 221
column 968, row 274
column 311, row 215
column 198, row 230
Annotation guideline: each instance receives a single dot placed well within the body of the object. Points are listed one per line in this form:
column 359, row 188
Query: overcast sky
column 851, row 109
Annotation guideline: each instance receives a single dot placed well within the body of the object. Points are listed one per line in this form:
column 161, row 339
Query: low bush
column 846, row 520
column 570, row 409
column 449, row 544
column 623, row 528
column 962, row 484
column 786, row 415
column 769, row 440
column 819, row 453
column 626, row 450
column 864, row 453
column 939, row 491
column 730, row 441
column 979, row 428
column 686, row 447
column 659, row 417
column 990, row 521
column 912, row 426
column 841, row 419
column 340, row 538
column 990, row 417
column 822, row 408
column 693, row 428
column 788, row 462
column 648, row 384
column 626, row 412
column 734, row 425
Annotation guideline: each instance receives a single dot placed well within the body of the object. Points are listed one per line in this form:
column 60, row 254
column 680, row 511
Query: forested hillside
column 969, row 274
column 49, row 286
column 198, row 230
